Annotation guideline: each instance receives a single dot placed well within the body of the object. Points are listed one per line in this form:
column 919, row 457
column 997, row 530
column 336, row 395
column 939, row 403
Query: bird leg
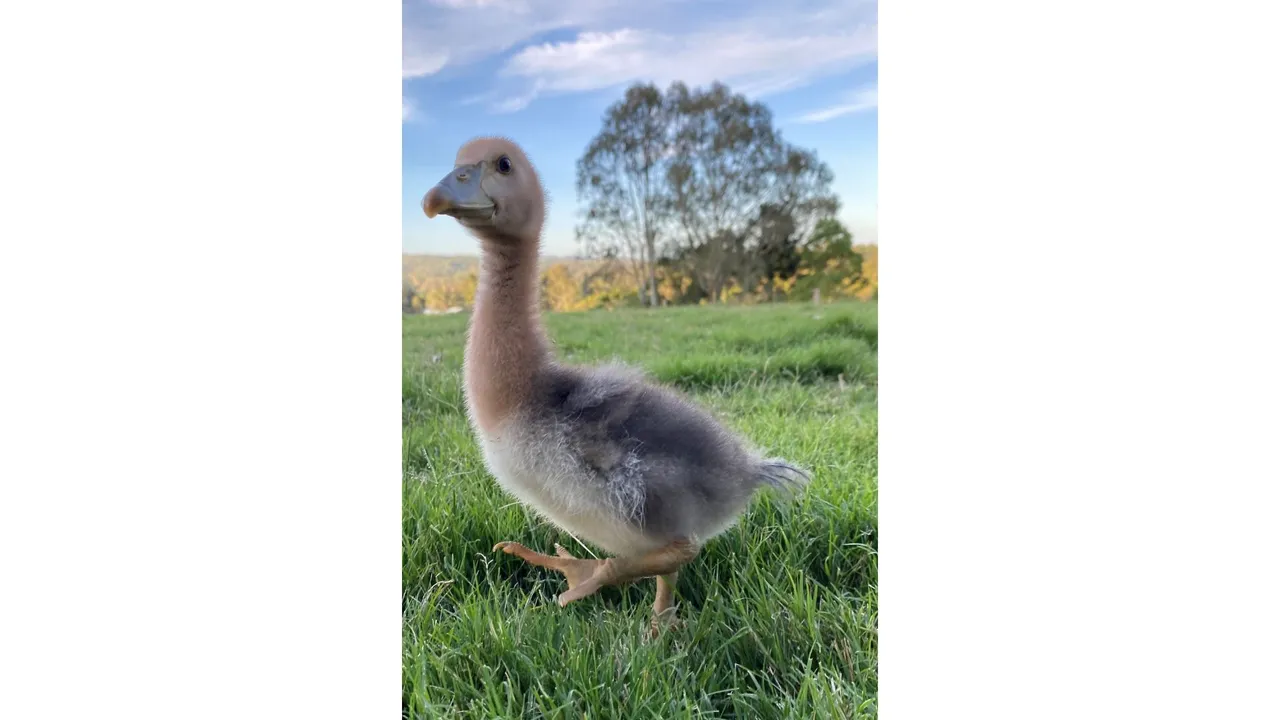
column 575, row 570
column 621, row 570
column 586, row 577
column 664, row 613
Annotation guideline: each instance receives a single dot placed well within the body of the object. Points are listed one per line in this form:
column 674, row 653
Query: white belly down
column 546, row 477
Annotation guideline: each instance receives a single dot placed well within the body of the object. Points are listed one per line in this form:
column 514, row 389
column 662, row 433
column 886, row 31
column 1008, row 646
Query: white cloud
column 406, row 110
column 767, row 48
column 439, row 33
column 456, row 4
column 754, row 62
column 418, row 62
column 859, row 101
column 512, row 103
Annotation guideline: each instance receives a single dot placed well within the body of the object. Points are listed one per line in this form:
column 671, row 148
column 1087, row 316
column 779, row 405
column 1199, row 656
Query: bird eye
column 504, row 165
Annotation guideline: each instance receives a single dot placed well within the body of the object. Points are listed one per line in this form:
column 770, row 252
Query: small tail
column 782, row 475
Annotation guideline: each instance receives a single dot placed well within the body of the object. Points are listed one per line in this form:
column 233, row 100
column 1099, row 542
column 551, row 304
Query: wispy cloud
column 441, row 33
column 859, row 101
column 759, row 62
column 512, row 103
column 468, row 3
column 406, row 110
column 766, row 49
column 418, row 62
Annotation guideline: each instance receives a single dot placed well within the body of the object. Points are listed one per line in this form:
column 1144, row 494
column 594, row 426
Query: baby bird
column 630, row 466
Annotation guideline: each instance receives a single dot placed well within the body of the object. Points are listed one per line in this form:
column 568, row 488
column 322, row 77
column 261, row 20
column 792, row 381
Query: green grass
column 778, row 614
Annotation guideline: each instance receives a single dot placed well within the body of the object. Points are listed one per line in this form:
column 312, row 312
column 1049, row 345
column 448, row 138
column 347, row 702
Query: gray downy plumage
column 608, row 442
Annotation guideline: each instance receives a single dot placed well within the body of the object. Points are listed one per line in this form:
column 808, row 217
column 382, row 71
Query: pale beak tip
column 434, row 202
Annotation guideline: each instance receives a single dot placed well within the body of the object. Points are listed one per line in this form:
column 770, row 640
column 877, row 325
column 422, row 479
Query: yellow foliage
column 867, row 284
column 559, row 290
column 730, row 291
column 672, row 285
column 576, row 285
column 572, row 288
column 467, row 288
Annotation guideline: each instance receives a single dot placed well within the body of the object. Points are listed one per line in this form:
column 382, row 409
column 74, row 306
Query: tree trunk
column 649, row 245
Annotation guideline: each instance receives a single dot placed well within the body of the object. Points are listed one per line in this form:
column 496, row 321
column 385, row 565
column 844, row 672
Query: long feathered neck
column 506, row 344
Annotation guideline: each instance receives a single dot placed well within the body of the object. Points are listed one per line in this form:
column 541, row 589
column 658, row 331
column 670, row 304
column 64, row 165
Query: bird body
column 610, row 457
column 622, row 463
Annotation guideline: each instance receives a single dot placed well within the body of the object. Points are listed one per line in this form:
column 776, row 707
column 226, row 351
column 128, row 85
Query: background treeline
column 435, row 284
column 686, row 196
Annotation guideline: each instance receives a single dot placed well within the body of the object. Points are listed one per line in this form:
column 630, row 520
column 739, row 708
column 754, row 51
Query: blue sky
column 542, row 72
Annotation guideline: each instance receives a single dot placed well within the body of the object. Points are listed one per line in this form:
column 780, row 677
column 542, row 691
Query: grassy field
column 778, row 613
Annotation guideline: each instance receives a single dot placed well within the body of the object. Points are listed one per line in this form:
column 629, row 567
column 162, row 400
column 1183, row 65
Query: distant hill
column 435, row 266
column 425, row 266
column 441, row 283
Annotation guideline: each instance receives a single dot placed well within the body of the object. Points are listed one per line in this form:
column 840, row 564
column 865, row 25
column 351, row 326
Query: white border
column 1078, row 477
column 201, row 369
column 199, row 400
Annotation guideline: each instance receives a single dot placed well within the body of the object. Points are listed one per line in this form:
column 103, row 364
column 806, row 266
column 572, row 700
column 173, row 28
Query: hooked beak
column 459, row 194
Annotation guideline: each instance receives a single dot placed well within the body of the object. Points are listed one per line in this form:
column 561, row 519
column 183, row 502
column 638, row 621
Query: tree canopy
column 700, row 179
column 686, row 196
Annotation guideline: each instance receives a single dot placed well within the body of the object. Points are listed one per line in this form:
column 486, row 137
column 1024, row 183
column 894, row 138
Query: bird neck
column 506, row 345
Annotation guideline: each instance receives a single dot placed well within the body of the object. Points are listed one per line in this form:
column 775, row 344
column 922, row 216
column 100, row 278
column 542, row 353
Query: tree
column 466, row 287
column 673, row 285
column 804, row 191
column 724, row 146
column 828, row 262
column 777, row 255
column 620, row 183
column 702, row 179
column 560, row 291
column 867, row 286
column 409, row 301
column 730, row 173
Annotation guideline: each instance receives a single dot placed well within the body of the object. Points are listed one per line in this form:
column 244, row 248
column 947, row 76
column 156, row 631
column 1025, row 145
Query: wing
column 664, row 460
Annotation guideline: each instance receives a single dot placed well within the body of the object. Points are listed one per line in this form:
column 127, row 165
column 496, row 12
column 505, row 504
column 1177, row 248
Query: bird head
column 492, row 190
